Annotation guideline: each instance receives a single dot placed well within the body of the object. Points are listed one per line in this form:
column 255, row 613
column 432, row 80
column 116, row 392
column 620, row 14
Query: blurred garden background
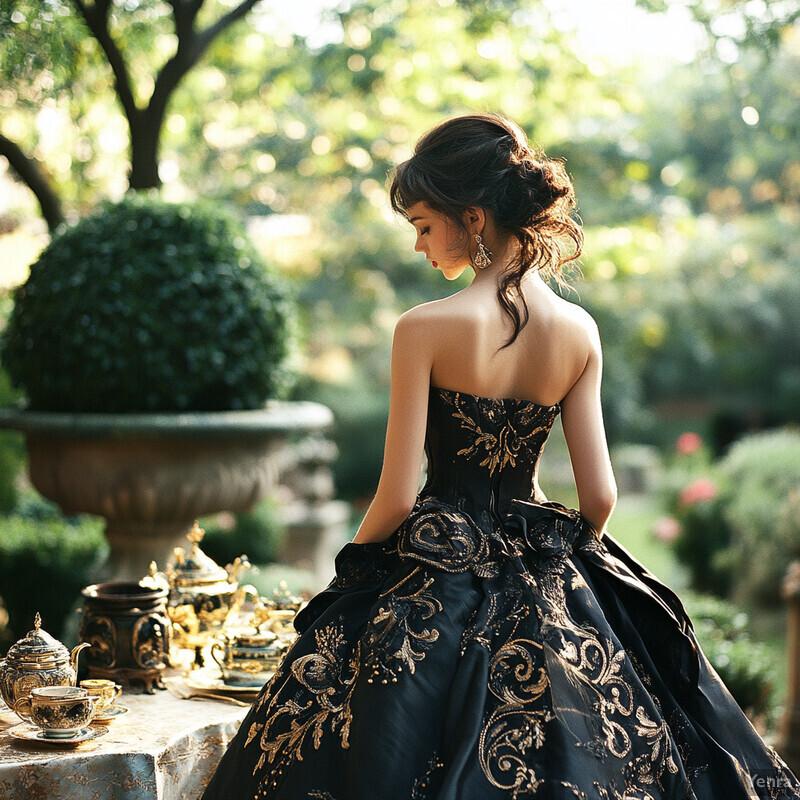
column 679, row 121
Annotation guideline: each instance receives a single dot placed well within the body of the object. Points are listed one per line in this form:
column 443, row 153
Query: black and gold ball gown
column 494, row 647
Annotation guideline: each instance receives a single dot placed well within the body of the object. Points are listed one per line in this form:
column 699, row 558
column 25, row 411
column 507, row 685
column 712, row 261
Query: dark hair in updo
column 484, row 160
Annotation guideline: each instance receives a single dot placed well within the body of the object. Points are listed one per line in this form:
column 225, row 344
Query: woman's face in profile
column 442, row 242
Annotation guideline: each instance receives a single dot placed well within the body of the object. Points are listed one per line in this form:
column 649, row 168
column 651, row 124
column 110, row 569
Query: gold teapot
column 37, row 660
column 202, row 595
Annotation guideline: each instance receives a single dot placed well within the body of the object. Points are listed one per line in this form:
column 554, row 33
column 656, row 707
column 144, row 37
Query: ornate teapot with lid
column 37, row 660
column 201, row 593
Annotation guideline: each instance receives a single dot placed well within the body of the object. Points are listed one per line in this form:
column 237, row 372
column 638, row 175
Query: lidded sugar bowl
column 37, row 660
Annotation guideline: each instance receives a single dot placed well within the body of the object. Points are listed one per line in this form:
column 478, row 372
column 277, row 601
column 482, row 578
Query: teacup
column 104, row 690
column 60, row 711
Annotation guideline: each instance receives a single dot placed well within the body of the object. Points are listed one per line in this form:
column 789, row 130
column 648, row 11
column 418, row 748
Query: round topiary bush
column 149, row 306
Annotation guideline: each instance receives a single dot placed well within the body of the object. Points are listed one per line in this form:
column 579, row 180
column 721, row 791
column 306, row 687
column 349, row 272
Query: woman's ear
column 474, row 219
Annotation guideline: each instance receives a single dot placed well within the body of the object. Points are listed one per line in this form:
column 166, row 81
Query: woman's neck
column 504, row 253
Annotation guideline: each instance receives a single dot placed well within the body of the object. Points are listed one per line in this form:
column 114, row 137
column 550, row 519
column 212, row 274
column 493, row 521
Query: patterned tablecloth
column 164, row 748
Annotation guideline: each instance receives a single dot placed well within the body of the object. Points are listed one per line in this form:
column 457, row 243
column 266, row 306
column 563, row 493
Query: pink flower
column 698, row 491
column 666, row 529
column 688, row 443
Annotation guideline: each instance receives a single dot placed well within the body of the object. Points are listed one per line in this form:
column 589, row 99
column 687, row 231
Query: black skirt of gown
column 493, row 647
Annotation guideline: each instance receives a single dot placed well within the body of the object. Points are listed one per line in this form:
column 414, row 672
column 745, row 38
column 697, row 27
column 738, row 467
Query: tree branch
column 191, row 47
column 31, row 174
column 185, row 12
column 207, row 36
column 96, row 17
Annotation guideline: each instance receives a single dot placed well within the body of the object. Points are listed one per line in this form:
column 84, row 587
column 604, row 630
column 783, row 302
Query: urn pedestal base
column 150, row 679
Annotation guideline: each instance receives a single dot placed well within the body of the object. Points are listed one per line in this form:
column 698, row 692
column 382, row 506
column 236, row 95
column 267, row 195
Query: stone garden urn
column 152, row 475
column 135, row 332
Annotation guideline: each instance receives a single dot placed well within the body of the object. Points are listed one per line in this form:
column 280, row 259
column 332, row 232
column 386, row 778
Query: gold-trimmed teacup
column 105, row 690
column 60, row 711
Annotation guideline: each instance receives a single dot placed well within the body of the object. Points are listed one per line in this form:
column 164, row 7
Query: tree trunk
column 145, row 135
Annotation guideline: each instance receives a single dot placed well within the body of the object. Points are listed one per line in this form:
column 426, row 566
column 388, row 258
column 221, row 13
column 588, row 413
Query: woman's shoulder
column 434, row 313
column 576, row 316
column 420, row 326
column 457, row 315
column 561, row 315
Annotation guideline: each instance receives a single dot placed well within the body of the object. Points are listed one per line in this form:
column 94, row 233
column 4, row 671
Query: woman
column 478, row 642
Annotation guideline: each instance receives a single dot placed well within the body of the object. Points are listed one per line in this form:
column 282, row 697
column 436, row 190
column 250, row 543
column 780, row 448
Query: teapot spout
column 73, row 656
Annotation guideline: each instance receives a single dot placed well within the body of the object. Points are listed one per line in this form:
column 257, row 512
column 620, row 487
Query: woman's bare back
column 542, row 364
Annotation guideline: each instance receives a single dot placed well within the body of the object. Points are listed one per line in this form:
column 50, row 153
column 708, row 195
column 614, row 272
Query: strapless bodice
column 482, row 451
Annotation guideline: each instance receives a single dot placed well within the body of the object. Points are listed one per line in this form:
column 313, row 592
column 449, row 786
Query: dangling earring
column 483, row 256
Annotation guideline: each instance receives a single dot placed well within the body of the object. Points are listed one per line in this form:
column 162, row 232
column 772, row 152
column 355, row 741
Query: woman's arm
column 582, row 419
column 405, row 433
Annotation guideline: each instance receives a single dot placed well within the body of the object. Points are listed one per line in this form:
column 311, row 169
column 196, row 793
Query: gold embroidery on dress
column 658, row 735
column 521, row 434
column 518, row 680
column 397, row 636
column 440, row 535
column 327, row 678
column 422, row 788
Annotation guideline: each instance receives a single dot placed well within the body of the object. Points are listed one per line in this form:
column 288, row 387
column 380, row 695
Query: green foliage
column 45, row 561
column 149, row 306
column 743, row 664
column 702, row 546
column 739, row 520
column 12, row 452
column 47, row 61
column 718, row 324
column 763, row 471
column 258, row 534
column 359, row 432
column 694, row 493
column 739, row 22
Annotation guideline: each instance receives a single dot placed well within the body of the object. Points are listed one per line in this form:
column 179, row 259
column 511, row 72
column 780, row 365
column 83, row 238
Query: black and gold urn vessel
column 127, row 628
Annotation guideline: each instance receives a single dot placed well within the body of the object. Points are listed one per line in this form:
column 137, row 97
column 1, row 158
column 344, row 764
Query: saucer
column 30, row 733
column 209, row 679
column 109, row 712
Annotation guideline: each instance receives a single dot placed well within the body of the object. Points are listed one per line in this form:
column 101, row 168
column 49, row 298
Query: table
column 164, row 748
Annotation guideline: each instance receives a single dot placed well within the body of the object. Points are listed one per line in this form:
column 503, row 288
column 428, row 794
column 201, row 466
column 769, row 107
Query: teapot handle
column 22, row 708
column 218, row 646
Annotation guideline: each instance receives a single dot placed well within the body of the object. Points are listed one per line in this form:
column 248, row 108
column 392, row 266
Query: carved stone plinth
column 314, row 534
column 316, row 525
